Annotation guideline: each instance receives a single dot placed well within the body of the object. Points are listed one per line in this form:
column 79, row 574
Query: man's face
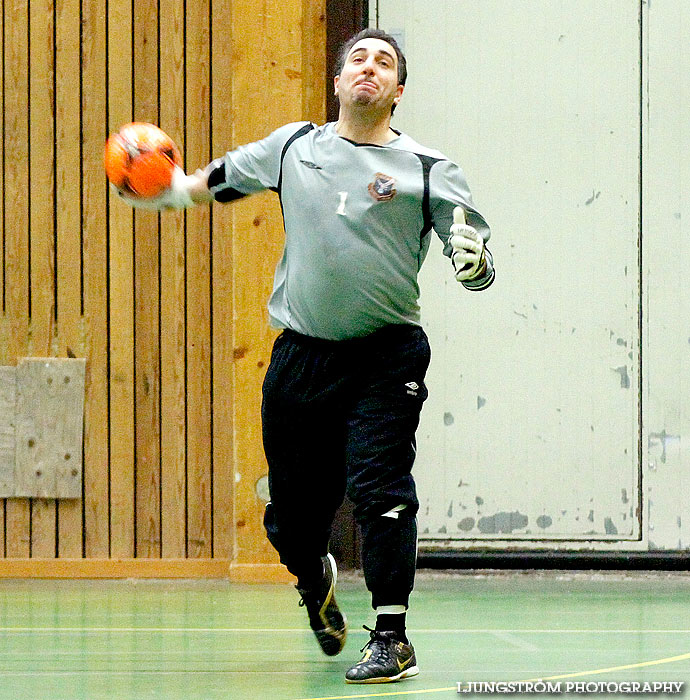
column 369, row 77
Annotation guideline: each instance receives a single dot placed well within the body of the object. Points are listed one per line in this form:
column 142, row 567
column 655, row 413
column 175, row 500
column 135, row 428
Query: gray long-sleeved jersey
column 357, row 223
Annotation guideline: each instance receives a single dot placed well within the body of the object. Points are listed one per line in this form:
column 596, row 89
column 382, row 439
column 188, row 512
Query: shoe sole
column 334, row 577
column 327, row 628
column 407, row 673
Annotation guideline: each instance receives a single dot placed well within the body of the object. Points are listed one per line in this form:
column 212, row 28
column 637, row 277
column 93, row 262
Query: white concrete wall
column 570, row 121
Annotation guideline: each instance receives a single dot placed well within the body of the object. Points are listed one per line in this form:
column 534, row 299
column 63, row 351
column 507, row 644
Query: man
column 345, row 386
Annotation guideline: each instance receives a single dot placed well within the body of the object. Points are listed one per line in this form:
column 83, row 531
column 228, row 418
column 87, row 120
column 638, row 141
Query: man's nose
column 369, row 65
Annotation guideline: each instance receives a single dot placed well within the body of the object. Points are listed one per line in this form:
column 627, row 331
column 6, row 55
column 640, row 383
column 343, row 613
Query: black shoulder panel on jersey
column 427, row 163
column 300, row 132
column 216, row 178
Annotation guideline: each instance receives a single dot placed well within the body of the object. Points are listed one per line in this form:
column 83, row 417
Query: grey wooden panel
column 49, row 427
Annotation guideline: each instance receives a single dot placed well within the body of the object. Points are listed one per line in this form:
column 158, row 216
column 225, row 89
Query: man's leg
column 304, row 449
column 380, row 453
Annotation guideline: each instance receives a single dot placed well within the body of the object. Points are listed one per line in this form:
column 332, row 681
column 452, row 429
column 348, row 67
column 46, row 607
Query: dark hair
column 372, row 33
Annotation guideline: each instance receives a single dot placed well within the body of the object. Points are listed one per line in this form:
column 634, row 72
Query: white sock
column 391, row 610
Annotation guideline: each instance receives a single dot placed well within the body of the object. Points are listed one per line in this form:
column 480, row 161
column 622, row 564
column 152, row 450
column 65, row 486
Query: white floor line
column 515, row 641
column 304, row 630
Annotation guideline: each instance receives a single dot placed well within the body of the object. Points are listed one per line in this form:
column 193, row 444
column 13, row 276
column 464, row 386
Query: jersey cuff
column 217, row 186
column 486, row 280
column 477, row 285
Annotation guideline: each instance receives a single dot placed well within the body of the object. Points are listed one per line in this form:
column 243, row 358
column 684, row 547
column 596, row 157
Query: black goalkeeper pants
column 341, row 416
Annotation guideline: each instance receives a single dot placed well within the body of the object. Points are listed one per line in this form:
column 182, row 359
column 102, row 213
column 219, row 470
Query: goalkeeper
column 345, row 386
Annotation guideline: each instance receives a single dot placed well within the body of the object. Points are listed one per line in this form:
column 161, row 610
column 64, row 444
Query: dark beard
column 363, row 98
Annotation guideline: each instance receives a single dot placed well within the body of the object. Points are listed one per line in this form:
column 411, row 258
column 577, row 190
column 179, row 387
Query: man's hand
column 468, row 248
column 177, row 196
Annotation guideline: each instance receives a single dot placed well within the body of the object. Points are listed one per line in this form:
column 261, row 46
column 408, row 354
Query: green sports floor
column 214, row 639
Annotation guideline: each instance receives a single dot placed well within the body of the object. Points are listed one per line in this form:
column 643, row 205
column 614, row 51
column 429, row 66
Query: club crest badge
column 382, row 188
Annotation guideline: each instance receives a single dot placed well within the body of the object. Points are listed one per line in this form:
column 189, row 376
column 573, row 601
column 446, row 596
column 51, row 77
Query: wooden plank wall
column 168, row 311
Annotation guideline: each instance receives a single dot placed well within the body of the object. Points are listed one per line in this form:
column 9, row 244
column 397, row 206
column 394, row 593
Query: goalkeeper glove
column 467, row 246
column 177, row 196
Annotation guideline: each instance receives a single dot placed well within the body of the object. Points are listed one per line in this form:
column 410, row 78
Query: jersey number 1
column 341, row 207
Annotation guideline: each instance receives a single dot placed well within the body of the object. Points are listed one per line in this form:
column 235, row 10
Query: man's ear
column 336, row 80
column 398, row 94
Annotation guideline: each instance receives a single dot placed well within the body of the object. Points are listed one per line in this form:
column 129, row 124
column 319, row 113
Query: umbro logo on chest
column 311, row 165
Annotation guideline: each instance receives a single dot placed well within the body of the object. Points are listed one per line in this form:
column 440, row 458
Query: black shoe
column 385, row 660
column 326, row 620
